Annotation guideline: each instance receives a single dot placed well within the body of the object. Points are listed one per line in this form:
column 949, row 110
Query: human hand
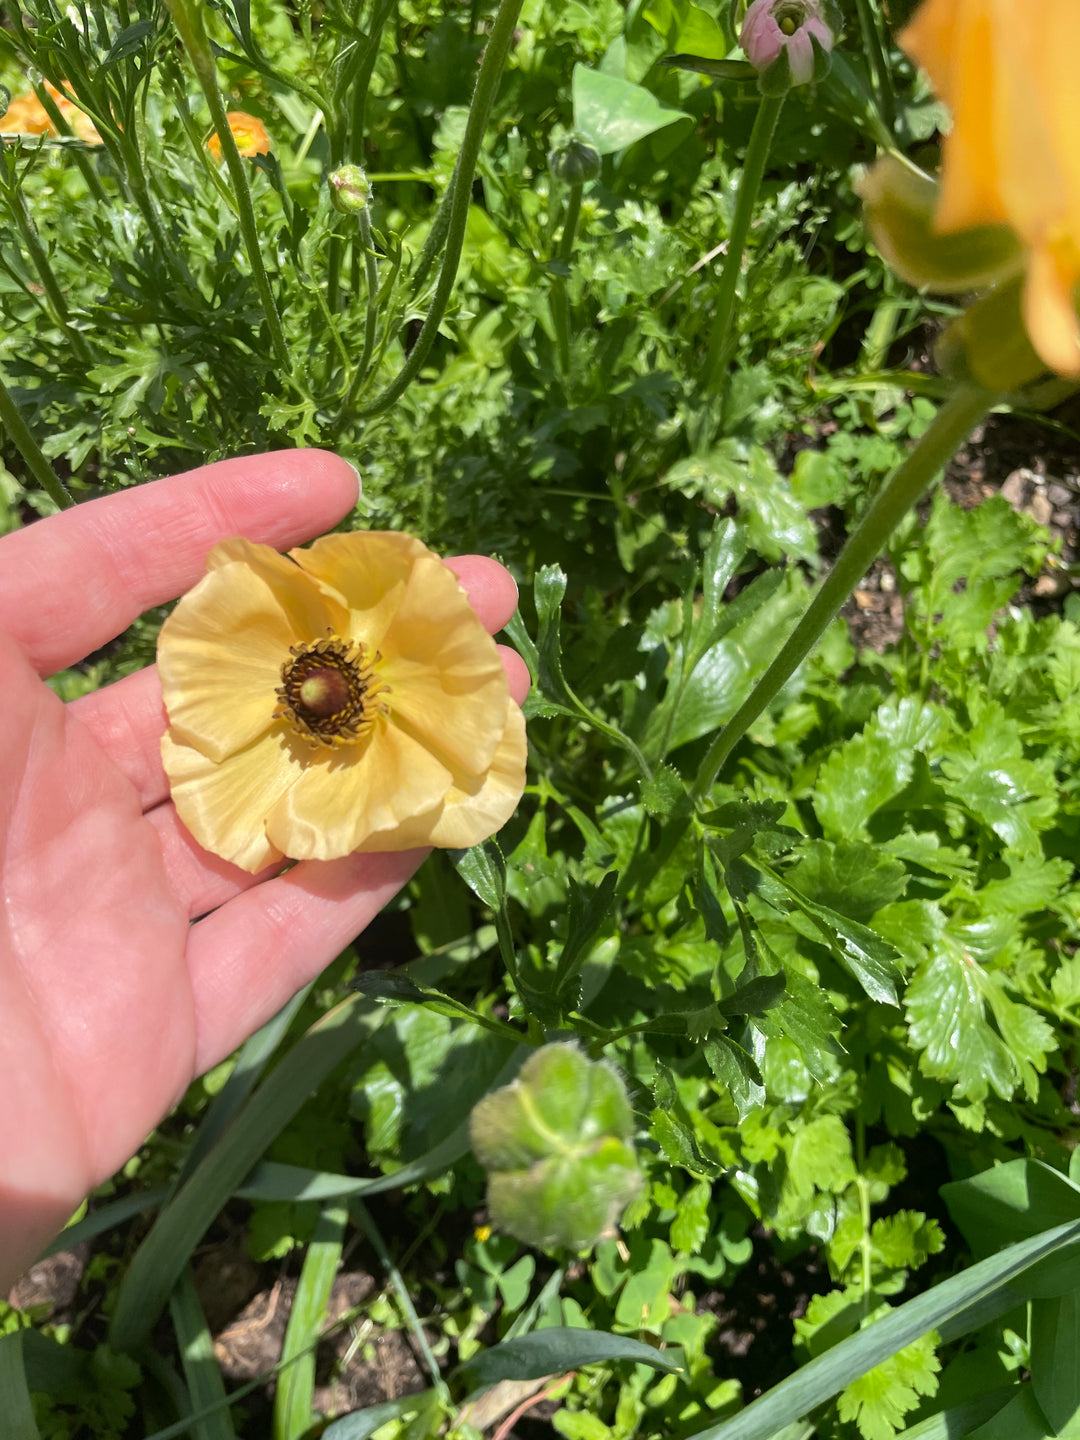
column 112, row 1001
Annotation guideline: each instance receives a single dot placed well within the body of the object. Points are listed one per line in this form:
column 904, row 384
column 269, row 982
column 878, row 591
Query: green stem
column 951, row 426
column 879, row 65
column 18, row 432
column 487, row 82
column 757, row 152
column 362, row 1216
column 372, row 317
column 40, row 261
column 560, row 301
column 191, row 25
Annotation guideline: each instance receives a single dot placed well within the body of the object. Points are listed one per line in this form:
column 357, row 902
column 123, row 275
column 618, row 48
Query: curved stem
column 487, row 82
column 190, row 23
column 19, row 434
column 951, row 426
column 757, row 152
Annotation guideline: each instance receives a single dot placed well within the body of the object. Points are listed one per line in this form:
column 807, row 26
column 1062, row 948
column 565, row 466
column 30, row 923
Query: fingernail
column 359, row 479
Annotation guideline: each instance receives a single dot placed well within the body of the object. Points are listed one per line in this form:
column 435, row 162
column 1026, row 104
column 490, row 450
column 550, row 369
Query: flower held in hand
column 345, row 699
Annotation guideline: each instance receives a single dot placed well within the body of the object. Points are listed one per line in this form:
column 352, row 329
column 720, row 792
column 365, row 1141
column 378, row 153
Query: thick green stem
column 18, row 432
column 560, row 300
column 191, row 25
column 487, row 83
column 953, row 424
column 757, row 152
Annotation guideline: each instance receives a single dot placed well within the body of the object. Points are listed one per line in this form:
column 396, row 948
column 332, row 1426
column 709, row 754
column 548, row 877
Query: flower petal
column 358, row 794
column 447, row 684
column 221, row 651
column 1050, row 316
column 370, row 570
column 472, row 809
column 223, row 805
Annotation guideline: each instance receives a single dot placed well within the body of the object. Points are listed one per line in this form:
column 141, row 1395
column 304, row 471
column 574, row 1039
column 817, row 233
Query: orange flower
column 27, row 116
column 249, row 133
column 1007, row 69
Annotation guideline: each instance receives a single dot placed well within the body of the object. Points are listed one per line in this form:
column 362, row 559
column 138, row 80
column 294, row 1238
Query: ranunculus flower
column 347, row 698
column 248, row 131
column 787, row 30
column 1008, row 71
column 27, row 116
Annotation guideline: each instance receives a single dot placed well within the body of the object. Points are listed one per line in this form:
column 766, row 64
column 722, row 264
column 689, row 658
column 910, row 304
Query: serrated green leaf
column 484, row 871
column 737, row 1071
column 849, row 877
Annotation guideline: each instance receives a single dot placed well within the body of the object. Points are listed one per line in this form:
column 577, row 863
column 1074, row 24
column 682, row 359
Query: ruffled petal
column 447, row 684
column 472, row 809
column 221, row 651
column 1050, row 316
column 349, row 797
column 370, row 571
column 224, row 805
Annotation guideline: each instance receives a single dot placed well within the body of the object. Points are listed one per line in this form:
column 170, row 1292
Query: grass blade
column 296, row 1383
column 162, row 1256
column 206, row 1386
column 826, row 1375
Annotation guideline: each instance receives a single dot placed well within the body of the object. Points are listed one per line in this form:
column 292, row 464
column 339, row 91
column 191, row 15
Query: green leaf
column 826, row 1375
column 1055, row 1350
column 879, row 1400
column 589, row 910
column 484, row 871
column 737, row 1071
column 556, row 1349
column 612, row 113
column 849, row 877
column 293, row 1415
column 865, row 955
column 362, row 1424
column 1016, row 1200
column 947, row 1002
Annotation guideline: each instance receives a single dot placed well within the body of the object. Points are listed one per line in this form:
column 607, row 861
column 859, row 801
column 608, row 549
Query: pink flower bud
column 774, row 29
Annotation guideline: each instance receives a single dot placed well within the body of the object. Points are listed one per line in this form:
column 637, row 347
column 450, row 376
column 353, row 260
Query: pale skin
column 111, row 1000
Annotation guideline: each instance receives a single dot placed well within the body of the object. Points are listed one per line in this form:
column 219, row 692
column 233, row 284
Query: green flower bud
column 350, row 189
column 574, row 161
column 556, row 1143
column 989, row 344
column 899, row 206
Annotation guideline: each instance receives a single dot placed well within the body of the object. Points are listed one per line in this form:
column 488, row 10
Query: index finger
column 72, row 582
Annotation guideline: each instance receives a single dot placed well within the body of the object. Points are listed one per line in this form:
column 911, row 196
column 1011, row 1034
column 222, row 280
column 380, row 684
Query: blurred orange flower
column 345, row 698
column 248, row 131
column 27, row 116
column 1007, row 70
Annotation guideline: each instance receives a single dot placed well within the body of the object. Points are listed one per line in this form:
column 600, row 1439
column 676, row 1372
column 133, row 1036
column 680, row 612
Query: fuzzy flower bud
column 788, row 42
column 350, row 189
column 574, row 161
column 557, row 1144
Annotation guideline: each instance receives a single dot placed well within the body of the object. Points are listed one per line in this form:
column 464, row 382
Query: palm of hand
column 97, row 997
column 112, row 1000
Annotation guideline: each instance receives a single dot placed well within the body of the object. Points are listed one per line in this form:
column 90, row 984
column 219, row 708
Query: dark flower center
column 327, row 691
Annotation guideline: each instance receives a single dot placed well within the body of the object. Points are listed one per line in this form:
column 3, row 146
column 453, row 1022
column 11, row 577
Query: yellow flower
column 26, row 115
column 248, row 131
column 347, row 698
column 1007, row 70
